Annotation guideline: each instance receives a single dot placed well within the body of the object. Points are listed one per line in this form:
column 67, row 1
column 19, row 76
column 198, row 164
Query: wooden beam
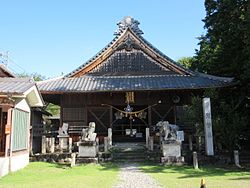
column 97, row 118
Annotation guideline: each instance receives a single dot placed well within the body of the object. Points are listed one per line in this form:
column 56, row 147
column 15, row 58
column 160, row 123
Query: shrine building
column 128, row 75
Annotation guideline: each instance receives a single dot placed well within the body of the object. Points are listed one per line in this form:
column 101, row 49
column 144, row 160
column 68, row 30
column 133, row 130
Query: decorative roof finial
column 128, row 22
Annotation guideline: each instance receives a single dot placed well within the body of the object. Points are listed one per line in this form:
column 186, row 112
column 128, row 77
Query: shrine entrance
column 129, row 128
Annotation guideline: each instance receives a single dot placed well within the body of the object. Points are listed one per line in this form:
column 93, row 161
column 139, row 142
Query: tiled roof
column 131, row 83
column 132, row 27
column 15, row 85
column 6, row 72
column 134, row 64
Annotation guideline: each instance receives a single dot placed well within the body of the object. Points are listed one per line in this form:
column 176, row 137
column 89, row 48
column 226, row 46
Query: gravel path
column 132, row 177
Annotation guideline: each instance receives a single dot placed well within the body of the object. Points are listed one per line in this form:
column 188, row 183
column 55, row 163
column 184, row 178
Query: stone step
column 129, row 155
column 129, row 160
column 130, row 152
column 82, row 160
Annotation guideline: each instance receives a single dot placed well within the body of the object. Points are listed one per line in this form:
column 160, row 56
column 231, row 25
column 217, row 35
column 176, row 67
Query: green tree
column 53, row 109
column 35, row 76
column 186, row 61
column 225, row 51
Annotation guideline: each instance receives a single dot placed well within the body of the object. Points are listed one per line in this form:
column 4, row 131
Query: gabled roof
column 128, row 37
column 21, row 88
column 15, row 85
column 129, row 62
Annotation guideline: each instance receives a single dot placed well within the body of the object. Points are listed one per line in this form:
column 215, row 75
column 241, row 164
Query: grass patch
column 40, row 174
column 186, row 176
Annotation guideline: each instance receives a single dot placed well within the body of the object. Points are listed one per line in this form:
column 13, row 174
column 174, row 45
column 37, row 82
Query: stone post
column 70, row 144
column 52, row 145
column 208, row 127
column 43, row 144
column 195, row 160
column 105, row 144
column 190, row 142
column 97, row 145
column 109, row 137
column 151, row 143
column 236, row 158
column 47, row 145
column 61, row 145
column 73, row 159
column 147, row 137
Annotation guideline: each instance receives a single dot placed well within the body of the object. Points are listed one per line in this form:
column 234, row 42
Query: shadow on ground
column 188, row 171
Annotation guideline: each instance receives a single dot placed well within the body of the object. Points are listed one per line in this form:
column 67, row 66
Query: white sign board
column 180, row 135
column 208, row 126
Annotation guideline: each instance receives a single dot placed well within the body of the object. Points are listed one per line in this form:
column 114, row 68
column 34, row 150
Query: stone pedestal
column 171, row 149
column 50, row 145
column 87, row 149
column 63, row 142
column 171, row 152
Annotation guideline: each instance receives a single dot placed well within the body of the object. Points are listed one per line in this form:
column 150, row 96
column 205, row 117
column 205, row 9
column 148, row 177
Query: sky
column 53, row 37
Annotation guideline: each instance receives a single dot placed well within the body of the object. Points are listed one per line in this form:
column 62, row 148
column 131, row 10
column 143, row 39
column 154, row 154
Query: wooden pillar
column 151, row 143
column 174, row 110
column 147, row 138
column 86, row 115
column 190, row 142
column 8, row 133
column 61, row 110
column 149, row 116
column 110, row 117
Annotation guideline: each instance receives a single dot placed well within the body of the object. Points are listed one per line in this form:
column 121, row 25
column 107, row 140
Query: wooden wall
column 80, row 109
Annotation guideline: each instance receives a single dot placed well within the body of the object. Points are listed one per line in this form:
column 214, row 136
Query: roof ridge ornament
column 128, row 22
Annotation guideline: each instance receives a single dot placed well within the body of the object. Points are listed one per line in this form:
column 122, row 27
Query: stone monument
column 63, row 137
column 87, row 145
column 170, row 145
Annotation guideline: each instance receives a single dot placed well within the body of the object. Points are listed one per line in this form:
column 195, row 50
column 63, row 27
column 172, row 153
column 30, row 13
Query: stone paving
column 132, row 177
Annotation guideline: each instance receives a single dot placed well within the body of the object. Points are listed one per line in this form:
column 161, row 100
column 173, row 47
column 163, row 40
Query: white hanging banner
column 208, row 126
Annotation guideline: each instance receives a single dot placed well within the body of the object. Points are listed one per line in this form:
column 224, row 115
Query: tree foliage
column 225, row 51
column 35, row 76
column 186, row 61
column 53, row 109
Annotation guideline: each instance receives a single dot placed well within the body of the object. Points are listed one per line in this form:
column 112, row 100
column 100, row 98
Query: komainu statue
column 89, row 134
column 167, row 131
column 63, row 131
